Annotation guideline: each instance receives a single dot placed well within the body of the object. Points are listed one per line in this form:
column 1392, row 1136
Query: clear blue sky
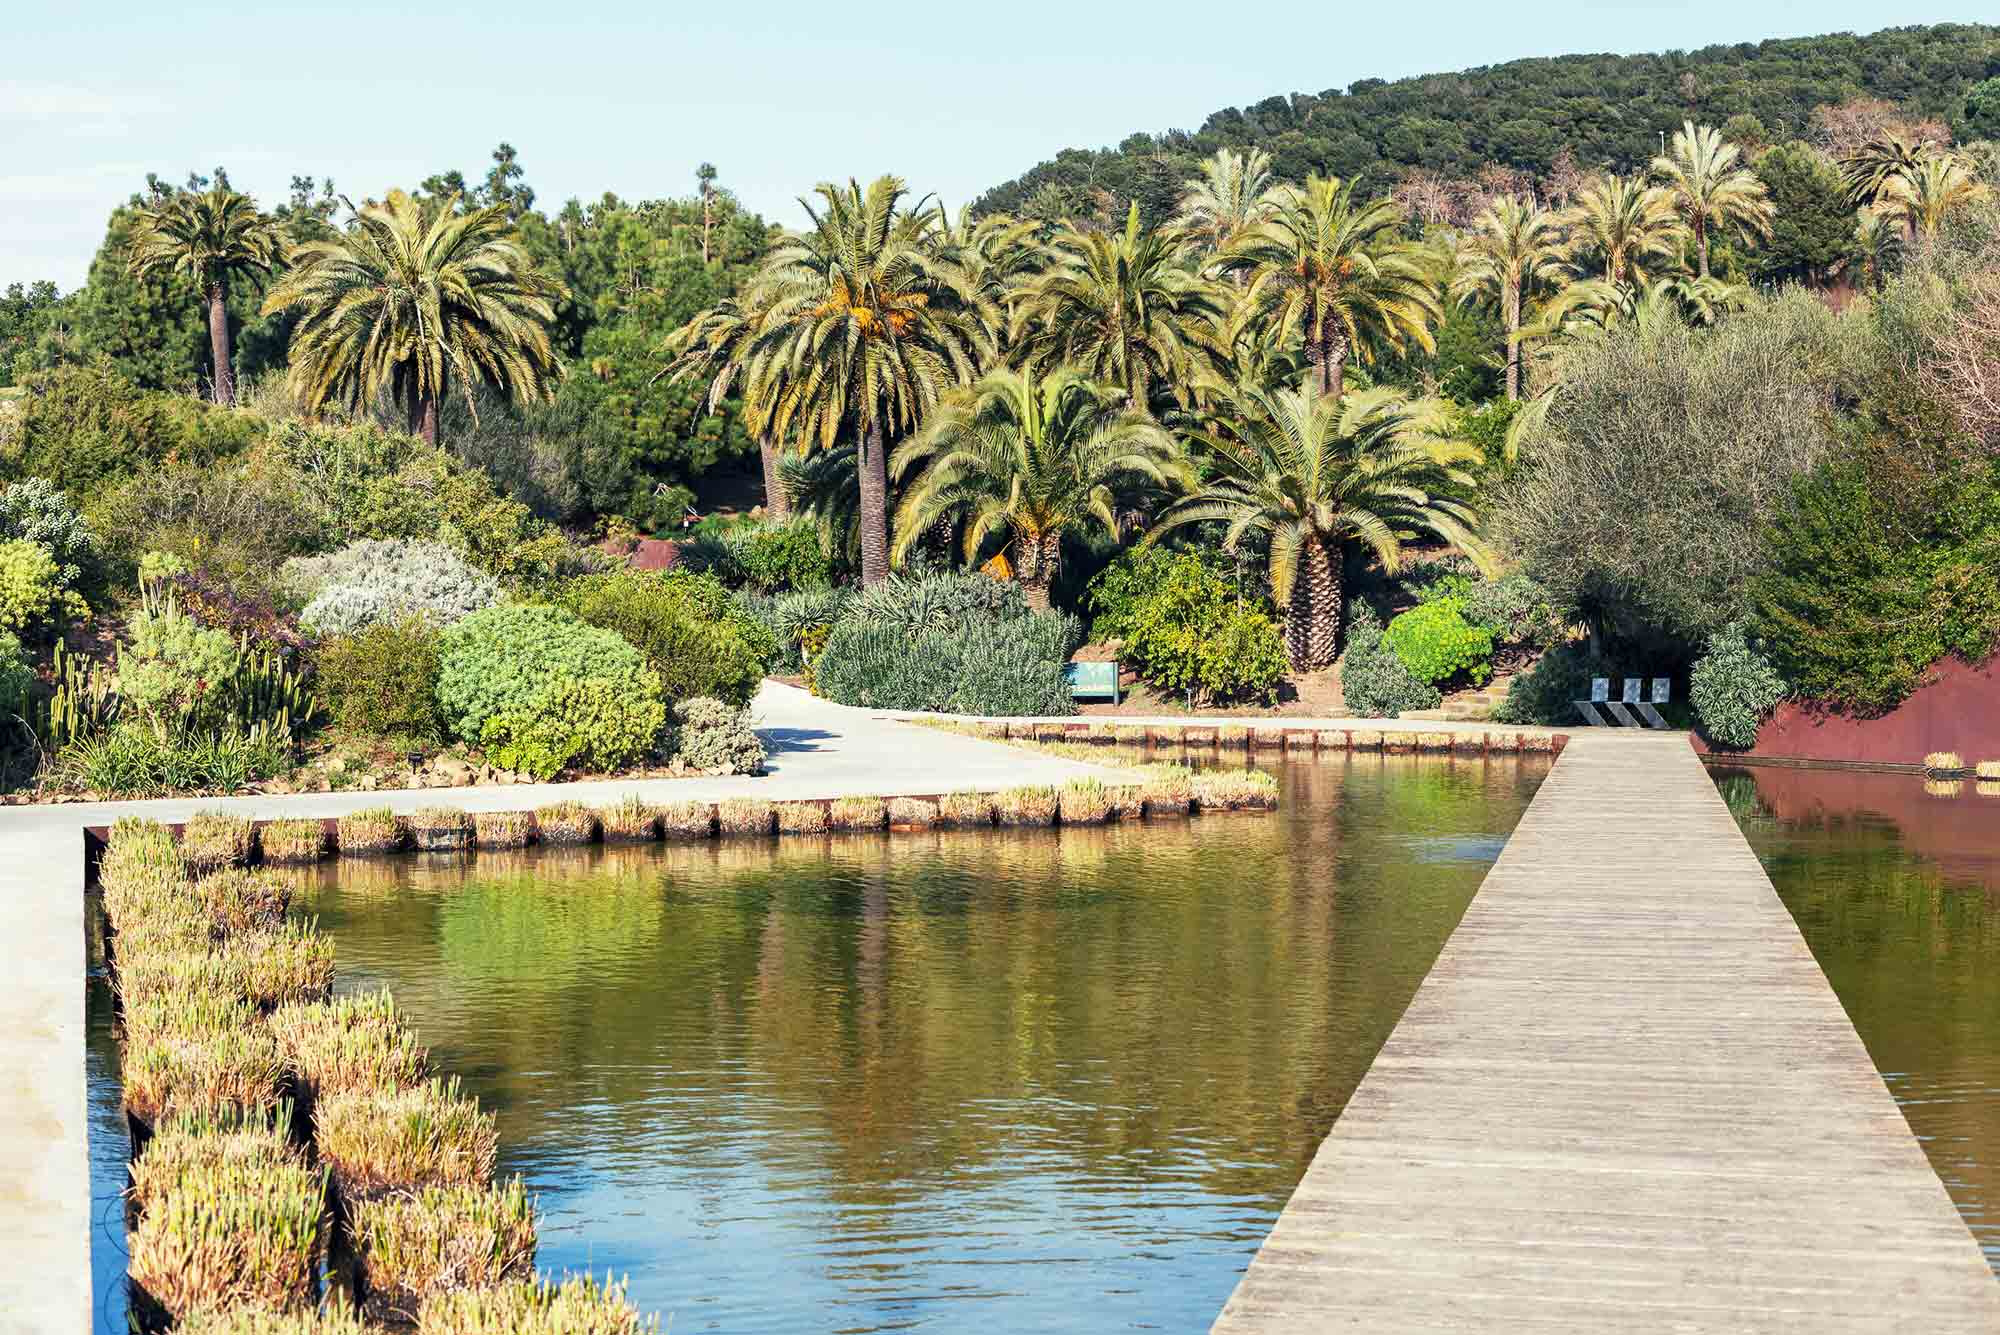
column 626, row 96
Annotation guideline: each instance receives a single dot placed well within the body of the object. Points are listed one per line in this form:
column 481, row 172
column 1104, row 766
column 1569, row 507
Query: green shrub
column 1375, row 681
column 695, row 637
column 598, row 723
column 1191, row 634
column 766, row 558
column 31, row 587
column 1437, row 643
column 17, row 678
column 382, row 681
column 1872, row 576
column 503, row 660
column 1516, row 608
column 1733, row 689
column 980, row 666
column 171, row 665
column 936, row 600
column 713, row 736
column 36, row 511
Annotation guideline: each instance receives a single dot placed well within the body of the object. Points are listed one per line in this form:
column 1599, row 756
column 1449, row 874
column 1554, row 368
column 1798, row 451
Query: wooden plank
column 1625, row 1099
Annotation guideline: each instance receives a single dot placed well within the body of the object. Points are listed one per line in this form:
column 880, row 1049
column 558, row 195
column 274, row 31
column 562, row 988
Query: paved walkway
column 1625, row 1099
column 817, row 750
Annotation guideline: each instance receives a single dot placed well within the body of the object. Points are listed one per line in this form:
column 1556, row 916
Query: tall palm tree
column 870, row 322
column 1313, row 472
column 1232, row 195
column 1124, row 309
column 1339, row 274
column 1034, row 460
column 412, row 300
column 1628, row 229
column 719, row 343
column 1000, row 255
column 210, row 237
column 1924, row 197
column 1516, row 249
column 1711, row 188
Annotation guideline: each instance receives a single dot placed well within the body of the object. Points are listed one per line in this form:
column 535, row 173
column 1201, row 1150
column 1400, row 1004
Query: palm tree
column 1232, row 195
column 1870, row 169
column 210, row 237
column 413, row 299
column 1627, row 227
column 719, row 343
column 1516, row 249
column 870, row 322
column 1033, row 459
column 1878, row 242
column 1339, row 274
column 1711, row 189
column 1311, row 473
column 1123, row 309
column 1923, row 197
column 999, row 255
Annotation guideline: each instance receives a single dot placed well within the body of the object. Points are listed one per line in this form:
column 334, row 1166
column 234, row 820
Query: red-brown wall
column 1958, row 710
column 1952, row 824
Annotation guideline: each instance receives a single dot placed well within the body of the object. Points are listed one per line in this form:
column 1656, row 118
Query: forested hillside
column 1607, row 111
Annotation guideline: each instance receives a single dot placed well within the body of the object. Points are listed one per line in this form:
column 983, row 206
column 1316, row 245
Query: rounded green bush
column 1186, row 630
column 1437, row 643
column 697, row 638
column 528, row 666
column 382, row 681
column 1734, row 688
column 1375, row 682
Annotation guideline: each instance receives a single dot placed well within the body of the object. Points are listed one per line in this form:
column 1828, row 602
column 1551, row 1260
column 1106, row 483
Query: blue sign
column 1093, row 681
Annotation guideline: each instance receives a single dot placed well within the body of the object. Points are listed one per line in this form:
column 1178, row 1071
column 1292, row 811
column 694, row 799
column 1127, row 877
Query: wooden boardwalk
column 1625, row 1099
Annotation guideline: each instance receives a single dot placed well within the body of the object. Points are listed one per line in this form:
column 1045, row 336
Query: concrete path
column 817, row 750
column 1625, row 1099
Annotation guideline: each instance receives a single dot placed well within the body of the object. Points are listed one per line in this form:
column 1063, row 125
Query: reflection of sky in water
column 1482, row 850
column 1050, row 1081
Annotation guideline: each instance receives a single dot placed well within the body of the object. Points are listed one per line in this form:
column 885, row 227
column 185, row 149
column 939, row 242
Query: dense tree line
column 1595, row 112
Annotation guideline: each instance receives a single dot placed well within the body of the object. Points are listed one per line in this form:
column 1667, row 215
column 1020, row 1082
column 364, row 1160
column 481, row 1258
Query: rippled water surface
column 1896, row 887
column 1049, row 1081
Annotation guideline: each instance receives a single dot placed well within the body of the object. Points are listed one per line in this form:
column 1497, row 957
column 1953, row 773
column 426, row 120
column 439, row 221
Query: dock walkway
column 1625, row 1099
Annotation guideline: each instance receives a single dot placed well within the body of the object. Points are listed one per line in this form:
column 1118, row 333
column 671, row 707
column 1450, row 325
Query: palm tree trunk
column 1701, row 243
column 777, row 505
column 1040, row 555
column 1335, row 366
column 1312, row 615
column 218, row 342
column 874, row 468
column 424, row 418
column 1513, row 312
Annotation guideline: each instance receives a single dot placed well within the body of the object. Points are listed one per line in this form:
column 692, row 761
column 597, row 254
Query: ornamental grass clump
column 264, row 967
column 566, row 823
column 629, row 821
column 745, row 815
column 348, row 1044
column 216, row 1071
column 1988, row 770
column 1235, row 790
column 137, row 847
column 965, row 810
column 441, row 830
column 1027, row 805
column 912, row 813
column 1943, row 787
column 191, row 1014
column 1085, row 802
column 213, row 839
column 1944, row 762
column 502, row 829
column 375, row 830
column 802, row 818
column 1167, row 790
column 578, row 1306
column 190, row 1144
column 857, row 813
column 329, row 1320
column 437, row 1240
column 242, row 1230
column 377, row 1141
column 291, row 843
column 687, row 820
column 242, row 900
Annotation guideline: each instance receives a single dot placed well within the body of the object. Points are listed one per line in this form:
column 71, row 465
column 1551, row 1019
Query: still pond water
column 1049, row 1081
column 1896, row 886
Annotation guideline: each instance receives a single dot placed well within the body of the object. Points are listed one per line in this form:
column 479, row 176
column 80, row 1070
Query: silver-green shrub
column 1734, row 688
column 712, row 735
column 372, row 581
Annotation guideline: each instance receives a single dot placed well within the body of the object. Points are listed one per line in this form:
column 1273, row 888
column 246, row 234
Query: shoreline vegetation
column 297, row 1163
